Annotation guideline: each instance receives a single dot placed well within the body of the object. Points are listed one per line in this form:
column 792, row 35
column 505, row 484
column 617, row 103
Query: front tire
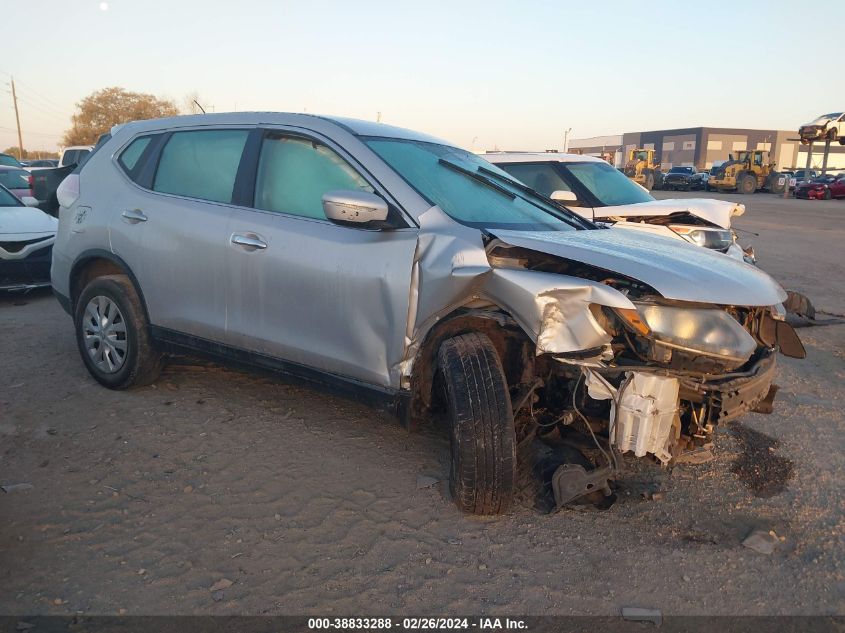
column 112, row 334
column 747, row 184
column 483, row 441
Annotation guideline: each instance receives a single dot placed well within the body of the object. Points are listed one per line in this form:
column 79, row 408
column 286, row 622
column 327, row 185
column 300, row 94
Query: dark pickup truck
column 679, row 178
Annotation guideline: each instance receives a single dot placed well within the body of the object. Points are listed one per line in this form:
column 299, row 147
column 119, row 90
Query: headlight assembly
column 707, row 331
column 717, row 239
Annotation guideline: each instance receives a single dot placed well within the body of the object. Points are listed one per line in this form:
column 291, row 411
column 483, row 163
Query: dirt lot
column 141, row 501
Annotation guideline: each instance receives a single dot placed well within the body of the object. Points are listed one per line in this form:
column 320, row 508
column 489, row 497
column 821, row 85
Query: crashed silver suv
column 407, row 272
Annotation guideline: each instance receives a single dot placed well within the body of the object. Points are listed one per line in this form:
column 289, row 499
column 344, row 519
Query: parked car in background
column 681, row 177
column 801, row 175
column 826, row 127
column 7, row 160
column 586, row 186
column 26, row 241
column 403, row 270
column 699, row 180
column 17, row 180
column 73, row 155
column 41, row 163
column 822, row 188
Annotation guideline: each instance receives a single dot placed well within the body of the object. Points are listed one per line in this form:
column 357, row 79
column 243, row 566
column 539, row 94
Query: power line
column 43, row 111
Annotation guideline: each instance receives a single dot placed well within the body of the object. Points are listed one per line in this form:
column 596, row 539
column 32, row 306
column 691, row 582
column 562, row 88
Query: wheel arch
column 513, row 345
column 95, row 263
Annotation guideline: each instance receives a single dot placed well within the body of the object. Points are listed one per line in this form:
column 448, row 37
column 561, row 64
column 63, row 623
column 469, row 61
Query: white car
column 826, row 127
column 26, row 243
column 596, row 190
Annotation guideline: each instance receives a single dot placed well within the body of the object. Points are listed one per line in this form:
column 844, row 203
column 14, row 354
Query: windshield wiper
column 477, row 177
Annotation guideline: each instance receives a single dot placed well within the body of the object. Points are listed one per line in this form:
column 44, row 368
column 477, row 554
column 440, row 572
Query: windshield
column 606, row 183
column 471, row 190
column 14, row 178
column 680, row 170
column 825, row 117
column 7, row 199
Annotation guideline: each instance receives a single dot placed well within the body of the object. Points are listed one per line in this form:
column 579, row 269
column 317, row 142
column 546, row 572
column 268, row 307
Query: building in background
column 703, row 146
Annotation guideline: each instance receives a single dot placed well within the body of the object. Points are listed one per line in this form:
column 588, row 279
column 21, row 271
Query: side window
column 294, row 173
column 542, row 178
column 201, row 164
column 129, row 157
column 69, row 157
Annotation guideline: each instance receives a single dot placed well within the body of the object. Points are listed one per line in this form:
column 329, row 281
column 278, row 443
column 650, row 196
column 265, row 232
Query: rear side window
column 294, row 173
column 69, row 157
column 131, row 155
column 201, row 164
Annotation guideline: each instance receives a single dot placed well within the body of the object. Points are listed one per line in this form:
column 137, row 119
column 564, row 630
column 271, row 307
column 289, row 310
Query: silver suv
column 402, row 270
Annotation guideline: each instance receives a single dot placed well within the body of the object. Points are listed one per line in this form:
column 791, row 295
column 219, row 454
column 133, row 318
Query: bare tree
column 99, row 111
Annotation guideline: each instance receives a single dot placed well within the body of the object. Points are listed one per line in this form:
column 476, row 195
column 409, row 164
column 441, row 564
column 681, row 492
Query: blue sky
column 512, row 75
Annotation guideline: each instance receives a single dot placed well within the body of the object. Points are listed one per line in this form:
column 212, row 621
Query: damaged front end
column 655, row 377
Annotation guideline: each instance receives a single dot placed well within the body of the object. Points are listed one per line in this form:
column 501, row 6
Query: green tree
column 99, row 111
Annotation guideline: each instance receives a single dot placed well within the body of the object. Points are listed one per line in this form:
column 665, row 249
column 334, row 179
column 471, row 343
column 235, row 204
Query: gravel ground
column 142, row 502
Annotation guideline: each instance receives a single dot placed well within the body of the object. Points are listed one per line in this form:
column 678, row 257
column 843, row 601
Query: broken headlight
column 717, row 239
column 706, row 331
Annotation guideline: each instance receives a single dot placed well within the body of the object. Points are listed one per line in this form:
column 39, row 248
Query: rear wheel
column 483, row 470
column 777, row 183
column 649, row 181
column 112, row 334
column 747, row 184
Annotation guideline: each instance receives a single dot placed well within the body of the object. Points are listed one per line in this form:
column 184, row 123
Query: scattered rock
column 428, row 561
column 188, row 489
column 761, row 541
column 121, row 611
column 482, row 567
column 58, row 601
column 220, row 585
column 426, row 481
column 16, row 487
column 142, row 571
column 640, row 614
column 217, row 596
column 686, row 578
column 277, row 516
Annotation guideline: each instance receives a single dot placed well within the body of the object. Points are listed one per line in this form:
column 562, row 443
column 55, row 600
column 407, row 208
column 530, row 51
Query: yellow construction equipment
column 642, row 168
column 748, row 171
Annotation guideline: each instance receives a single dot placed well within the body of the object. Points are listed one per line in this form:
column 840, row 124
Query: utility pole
column 18, row 120
column 566, row 139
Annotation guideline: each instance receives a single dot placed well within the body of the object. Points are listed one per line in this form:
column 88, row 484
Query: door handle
column 133, row 216
column 249, row 242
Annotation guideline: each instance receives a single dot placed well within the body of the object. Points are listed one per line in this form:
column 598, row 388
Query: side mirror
column 355, row 208
column 564, row 196
column 29, row 201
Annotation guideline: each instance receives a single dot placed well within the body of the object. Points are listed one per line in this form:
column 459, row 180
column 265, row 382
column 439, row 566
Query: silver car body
column 354, row 303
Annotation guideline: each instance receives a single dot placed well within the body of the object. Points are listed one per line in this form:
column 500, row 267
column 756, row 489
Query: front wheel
column 112, row 334
column 747, row 184
column 483, row 470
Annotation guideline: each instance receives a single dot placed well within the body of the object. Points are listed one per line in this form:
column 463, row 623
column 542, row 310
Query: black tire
column 774, row 187
column 483, row 470
column 649, row 181
column 141, row 363
column 746, row 184
column 833, row 134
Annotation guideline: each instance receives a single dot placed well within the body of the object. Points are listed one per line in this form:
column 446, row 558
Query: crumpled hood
column 675, row 269
column 24, row 223
column 719, row 212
